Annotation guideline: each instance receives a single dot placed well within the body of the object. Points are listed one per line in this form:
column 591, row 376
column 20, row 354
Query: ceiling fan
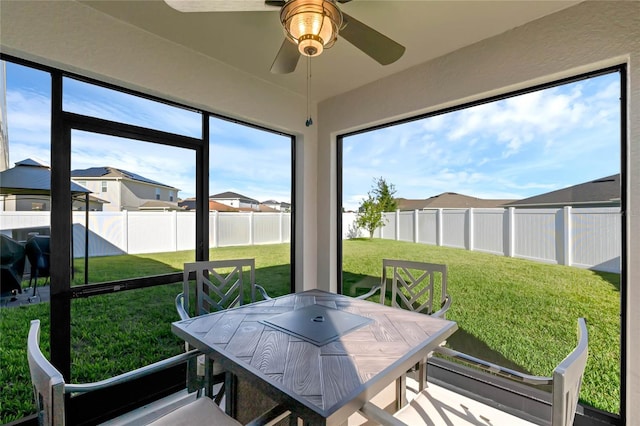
column 310, row 26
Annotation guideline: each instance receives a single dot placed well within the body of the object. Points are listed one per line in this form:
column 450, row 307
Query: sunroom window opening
column 520, row 198
column 134, row 324
column 25, row 138
column 250, row 200
column 109, row 104
column 130, row 233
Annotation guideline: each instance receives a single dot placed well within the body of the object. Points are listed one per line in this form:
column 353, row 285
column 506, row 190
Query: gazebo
column 32, row 177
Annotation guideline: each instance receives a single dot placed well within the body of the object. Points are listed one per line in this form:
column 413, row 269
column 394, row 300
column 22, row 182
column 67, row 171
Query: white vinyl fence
column 582, row 237
column 112, row 233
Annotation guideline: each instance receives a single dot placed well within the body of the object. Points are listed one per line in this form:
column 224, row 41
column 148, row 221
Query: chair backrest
column 219, row 284
column 38, row 252
column 567, row 379
column 413, row 284
column 48, row 383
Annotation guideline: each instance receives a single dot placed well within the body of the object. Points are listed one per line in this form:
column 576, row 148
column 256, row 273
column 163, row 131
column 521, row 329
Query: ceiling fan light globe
column 312, row 24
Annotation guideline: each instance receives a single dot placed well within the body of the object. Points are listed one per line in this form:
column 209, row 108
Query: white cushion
column 202, row 411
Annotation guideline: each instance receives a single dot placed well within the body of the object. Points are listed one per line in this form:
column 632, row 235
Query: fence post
column 281, row 229
column 397, row 224
column 439, row 227
column 416, row 235
column 175, row 230
column 510, row 238
column 125, row 230
column 251, row 228
column 567, row 231
column 470, row 225
column 216, row 233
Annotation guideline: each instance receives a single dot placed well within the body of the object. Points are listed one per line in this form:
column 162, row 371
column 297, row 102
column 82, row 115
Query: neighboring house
column 277, row 205
column 603, row 192
column 125, row 190
column 262, row 209
column 236, row 200
column 449, row 200
column 190, row 204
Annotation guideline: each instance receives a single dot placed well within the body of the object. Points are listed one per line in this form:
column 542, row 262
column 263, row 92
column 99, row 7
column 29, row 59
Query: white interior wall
column 586, row 37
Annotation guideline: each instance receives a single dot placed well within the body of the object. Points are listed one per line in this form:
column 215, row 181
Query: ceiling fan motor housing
column 312, row 24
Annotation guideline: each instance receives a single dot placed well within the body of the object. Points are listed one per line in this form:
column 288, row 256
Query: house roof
column 190, row 204
column 31, row 177
column 159, row 205
column 448, row 200
column 113, row 172
column 231, row 195
column 605, row 190
column 261, row 208
column 276, row 203
column 214, row 205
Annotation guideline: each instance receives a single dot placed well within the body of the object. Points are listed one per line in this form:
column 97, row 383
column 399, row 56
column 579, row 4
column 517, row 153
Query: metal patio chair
column 50, row 389
column 219, row 285
column 412, row 281
column 437, row 408
column 38, row 251
column 414, row 286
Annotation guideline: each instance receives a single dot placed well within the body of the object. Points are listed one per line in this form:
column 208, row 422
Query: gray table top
column 324, row 384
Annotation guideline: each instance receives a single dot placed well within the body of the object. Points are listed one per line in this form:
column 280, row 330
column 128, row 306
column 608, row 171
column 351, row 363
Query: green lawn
column 526, row 311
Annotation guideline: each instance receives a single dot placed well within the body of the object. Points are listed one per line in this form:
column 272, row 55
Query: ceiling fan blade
column 222, row 5
column 377, row 45
column 286, row 59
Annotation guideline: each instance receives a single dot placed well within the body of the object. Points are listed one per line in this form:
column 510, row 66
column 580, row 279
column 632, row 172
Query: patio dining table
column 319, row 354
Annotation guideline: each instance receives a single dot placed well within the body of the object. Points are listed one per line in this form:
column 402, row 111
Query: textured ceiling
column 249, row 41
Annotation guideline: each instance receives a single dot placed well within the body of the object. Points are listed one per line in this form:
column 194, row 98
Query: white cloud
column 514, row 148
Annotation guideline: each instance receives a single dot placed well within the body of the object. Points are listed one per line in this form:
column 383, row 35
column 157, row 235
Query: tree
column 383, row 193
column 369, row 215
column 379, row 200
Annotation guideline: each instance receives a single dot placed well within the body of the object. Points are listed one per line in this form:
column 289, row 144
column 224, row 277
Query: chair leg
column 401, row 392
column 35, row 282
column 231, row 394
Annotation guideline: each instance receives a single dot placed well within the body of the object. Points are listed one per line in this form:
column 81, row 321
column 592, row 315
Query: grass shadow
column 464, row 341
column 276, row 279
column 356, row 284
column 610, row 277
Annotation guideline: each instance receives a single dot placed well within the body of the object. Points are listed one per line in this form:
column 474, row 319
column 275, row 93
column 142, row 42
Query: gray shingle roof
column 605, row 190
column 31, row 177
column 449, row 200
column 113, row 172
column 231, row 195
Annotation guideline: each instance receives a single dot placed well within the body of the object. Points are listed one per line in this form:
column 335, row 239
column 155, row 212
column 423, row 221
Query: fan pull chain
column 309, row 121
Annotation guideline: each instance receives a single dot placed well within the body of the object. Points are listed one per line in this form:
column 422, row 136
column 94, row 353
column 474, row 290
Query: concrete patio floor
column 27, row 298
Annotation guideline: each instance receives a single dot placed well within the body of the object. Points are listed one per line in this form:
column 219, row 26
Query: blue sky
column 243, row 159
column 514, row 148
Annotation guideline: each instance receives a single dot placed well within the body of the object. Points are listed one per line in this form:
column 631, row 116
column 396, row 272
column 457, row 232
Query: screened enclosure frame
column 82, row 408
column 461, row 376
